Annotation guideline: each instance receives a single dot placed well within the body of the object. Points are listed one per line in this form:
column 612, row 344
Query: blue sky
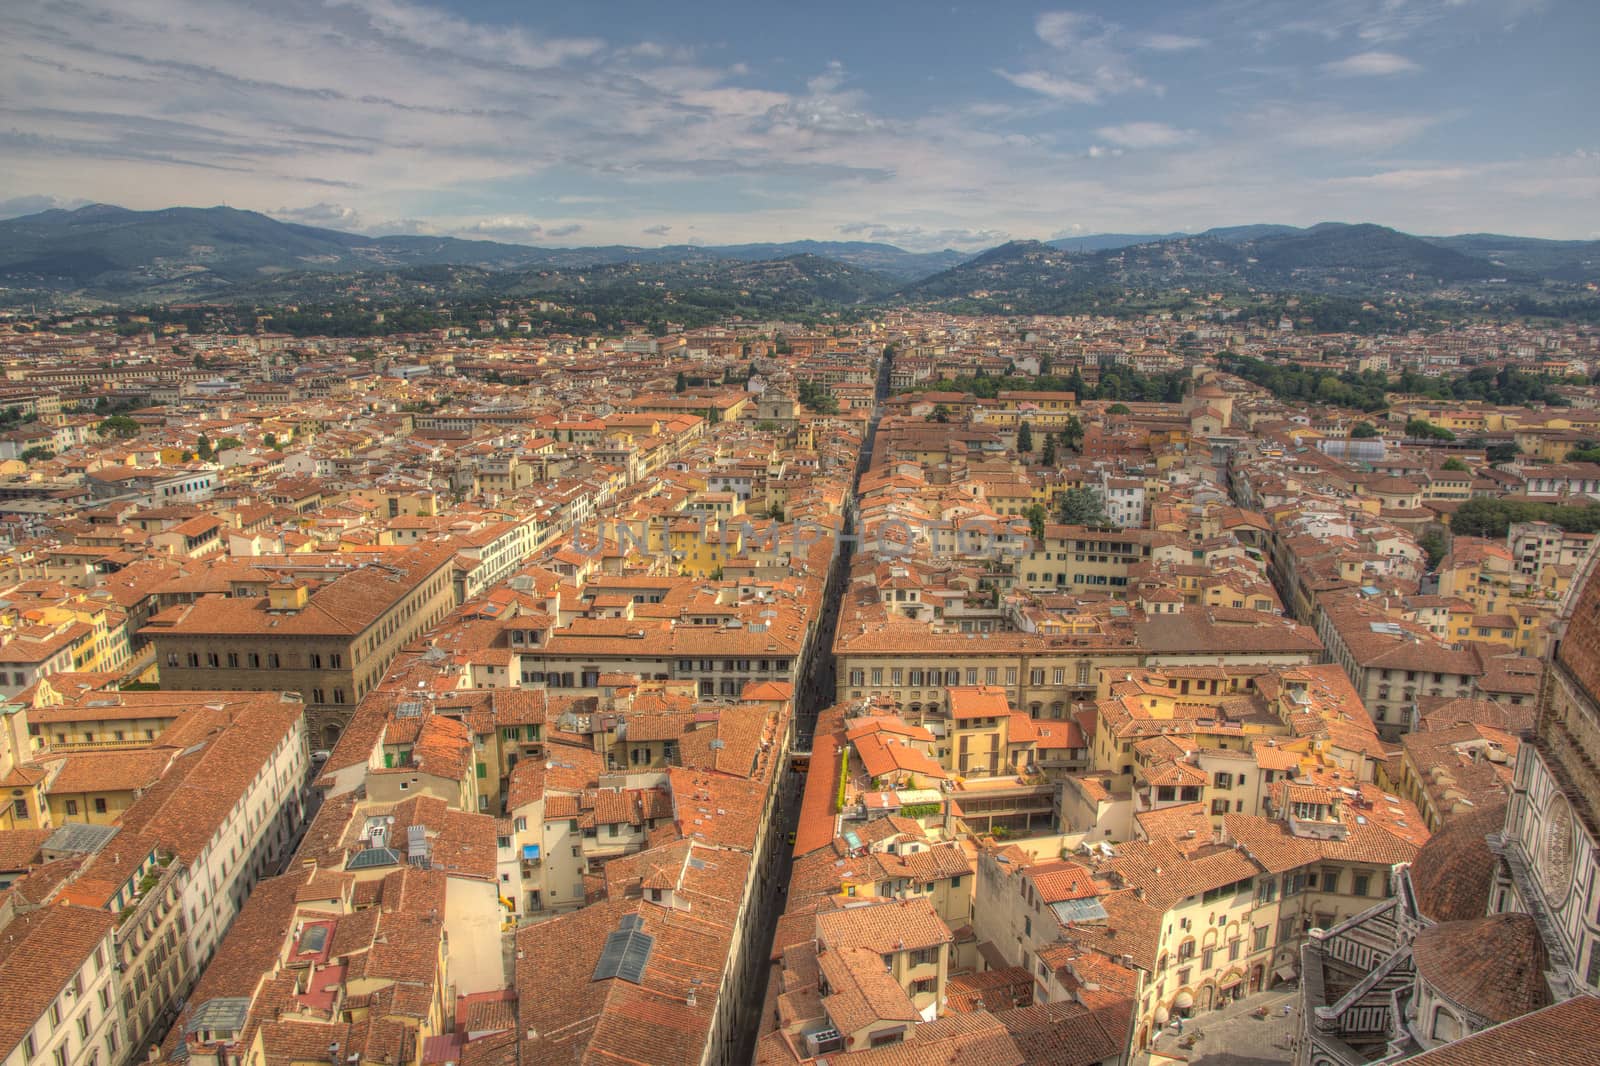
column 956, row 125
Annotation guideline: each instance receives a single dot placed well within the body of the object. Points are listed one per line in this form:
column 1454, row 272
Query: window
column 315, row 660
column 61, row 1054
column 1362, row 881
column 1234, row 947
column 925, row 986
column 1206, row 958
column 1259, row 943
column 99, row 805
column 272, row 660
column 72, row 807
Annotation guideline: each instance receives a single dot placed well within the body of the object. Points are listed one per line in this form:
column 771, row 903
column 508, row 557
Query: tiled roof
column 1453, row 872
column 1563, row 1033
column 1492, row 966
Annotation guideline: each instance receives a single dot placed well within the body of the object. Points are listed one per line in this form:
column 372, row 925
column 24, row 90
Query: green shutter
column 388, row 760
column 483, row 771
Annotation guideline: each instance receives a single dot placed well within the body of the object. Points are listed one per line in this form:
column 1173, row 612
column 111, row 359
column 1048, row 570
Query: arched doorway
column 1144, row 1037
column 1257, row 974
column 1207, row 997
column 330, row 736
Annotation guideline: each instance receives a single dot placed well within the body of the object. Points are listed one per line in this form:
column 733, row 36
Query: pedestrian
column 1287, row 1010
column 1180, row 1026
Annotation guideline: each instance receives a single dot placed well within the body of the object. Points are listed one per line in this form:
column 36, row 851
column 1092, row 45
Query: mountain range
column 107, row 253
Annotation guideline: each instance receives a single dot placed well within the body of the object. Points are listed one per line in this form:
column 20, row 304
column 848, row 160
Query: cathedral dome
column 1492, row 967
column 1453, row 872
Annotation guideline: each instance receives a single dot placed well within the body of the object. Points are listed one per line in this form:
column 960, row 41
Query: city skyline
column 928, row 129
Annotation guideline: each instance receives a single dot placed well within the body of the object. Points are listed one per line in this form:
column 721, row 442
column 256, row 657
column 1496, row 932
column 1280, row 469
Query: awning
column 1285, row 972
column 1230, row 980
column 1161, row 1016
column 1183, row 1001
column 530, row 851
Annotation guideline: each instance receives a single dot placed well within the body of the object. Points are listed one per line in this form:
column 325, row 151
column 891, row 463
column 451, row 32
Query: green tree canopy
column 1024, row 437
column 118, row 426
column 1363, row 431
column 1083, row 507
column 1422, row 429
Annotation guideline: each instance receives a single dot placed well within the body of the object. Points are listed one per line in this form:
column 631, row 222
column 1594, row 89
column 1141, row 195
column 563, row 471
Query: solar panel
column 371, row 858
column 626, row 952
column 408, row 709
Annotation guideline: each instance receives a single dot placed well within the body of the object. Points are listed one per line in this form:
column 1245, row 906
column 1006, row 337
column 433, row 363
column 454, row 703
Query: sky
column 920, row 124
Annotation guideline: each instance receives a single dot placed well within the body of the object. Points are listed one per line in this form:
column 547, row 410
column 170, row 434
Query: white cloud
column 1053, row 86
column 1063, row 29
column 1087, row 60
column 1371, row 65
column 1145, row 135
column 922, row 238
column 659, row 230
column 519, row 227
column 32, row 204
column 331, row 216
column 1171, row 42
column 1410, row 177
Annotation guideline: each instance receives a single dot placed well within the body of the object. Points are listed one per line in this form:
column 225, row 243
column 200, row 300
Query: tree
column 1083, row 507
column 1036, row 516
column 1589, row 453
column 1024, row 437
column 1119, row 409
column 941, row 413
column 1072, row 434
column 682, row 384
column 1363, row 431
column 1501, row 453
column 1453, row 463
column 1422, row 429
column 227, row 444
column 1433, row 543
column 118, row 426
column 202, row 447
column 37, row 453
column 271, row 441
column 1049, row 456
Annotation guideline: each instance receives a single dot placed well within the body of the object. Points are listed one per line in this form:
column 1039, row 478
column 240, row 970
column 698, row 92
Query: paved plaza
column 1235, row 1037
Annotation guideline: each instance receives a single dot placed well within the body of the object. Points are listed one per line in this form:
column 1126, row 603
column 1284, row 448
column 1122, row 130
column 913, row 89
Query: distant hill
column 1560, row 260
column 1100, row 242
column 105, row 253
column 186, row 252
column 1336, row 258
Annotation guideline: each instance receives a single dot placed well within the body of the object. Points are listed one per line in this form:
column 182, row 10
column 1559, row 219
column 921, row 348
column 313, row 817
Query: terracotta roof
column 1563, row 1033
column 1492, row 966
column 1453, row 872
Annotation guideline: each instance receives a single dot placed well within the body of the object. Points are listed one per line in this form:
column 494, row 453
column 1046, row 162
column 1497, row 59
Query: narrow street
column 812, row 695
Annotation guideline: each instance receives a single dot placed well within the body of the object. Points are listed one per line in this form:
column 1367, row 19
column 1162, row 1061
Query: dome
column 1453, row 872
column 1579, row 650
column 1394, row 486
column 1492, row 967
